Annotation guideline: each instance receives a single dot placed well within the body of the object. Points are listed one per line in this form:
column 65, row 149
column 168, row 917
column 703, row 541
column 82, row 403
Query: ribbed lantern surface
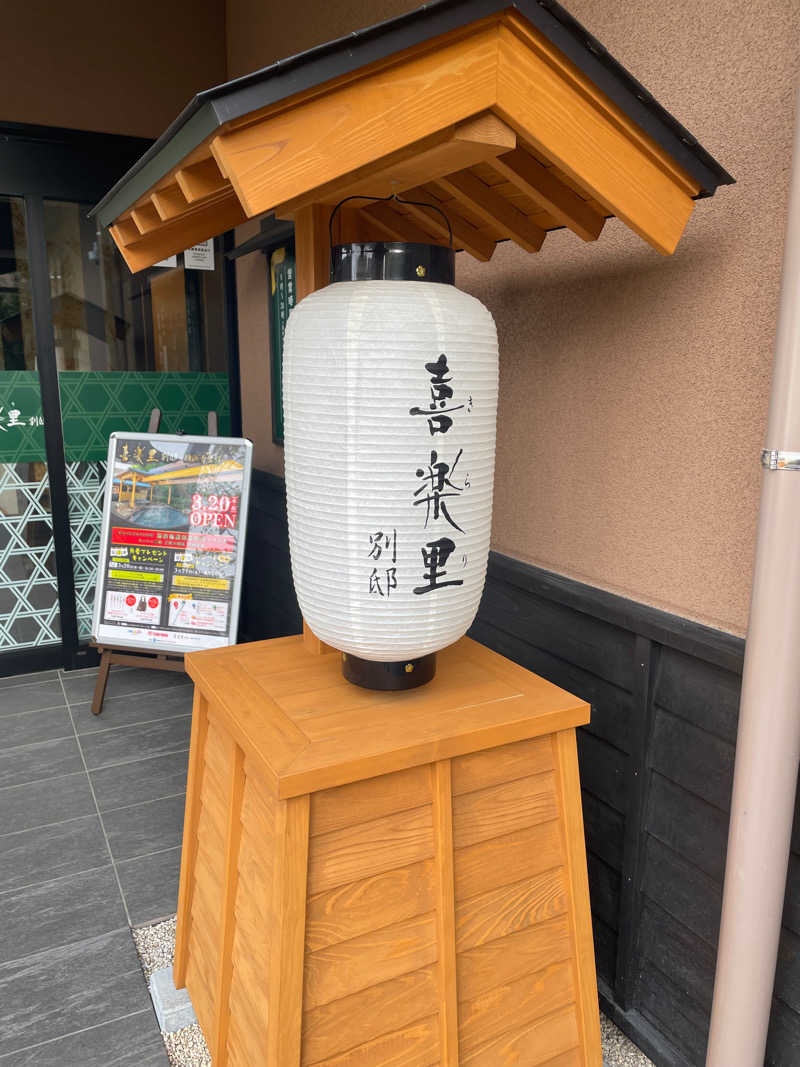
column 390, row 398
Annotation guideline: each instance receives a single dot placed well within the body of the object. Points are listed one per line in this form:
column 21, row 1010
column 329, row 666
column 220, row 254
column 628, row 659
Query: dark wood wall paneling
column 656, row 767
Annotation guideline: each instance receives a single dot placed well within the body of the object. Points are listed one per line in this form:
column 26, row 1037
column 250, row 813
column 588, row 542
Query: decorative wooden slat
column 287, row 936
column 445, row 911
column 544, row 188
column 169, row 202
column 494, row 209
column 514, row 1004
column 571, row 822
column 370, row 848
column 227, row 922
column 510, row 908
column 480, row 770
column 194, row 783
column 485, row 967
column 200, row 180
column 356, row 908
column 354, row 1020
column 345, row 968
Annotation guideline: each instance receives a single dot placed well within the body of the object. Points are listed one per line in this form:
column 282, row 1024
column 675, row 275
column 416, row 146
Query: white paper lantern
column 390, row 399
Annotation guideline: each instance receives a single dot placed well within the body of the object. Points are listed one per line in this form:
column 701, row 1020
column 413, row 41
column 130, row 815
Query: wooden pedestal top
column 294, row 713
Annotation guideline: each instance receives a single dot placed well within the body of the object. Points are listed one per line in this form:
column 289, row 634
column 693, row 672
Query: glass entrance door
column 29, row 603
column 123, row 345
column 87, row 348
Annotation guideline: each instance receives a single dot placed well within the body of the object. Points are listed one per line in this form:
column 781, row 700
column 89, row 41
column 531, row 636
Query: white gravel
column 186, row 1048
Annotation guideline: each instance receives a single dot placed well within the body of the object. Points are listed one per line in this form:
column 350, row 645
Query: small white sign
column 170, row 261
column 200, row 257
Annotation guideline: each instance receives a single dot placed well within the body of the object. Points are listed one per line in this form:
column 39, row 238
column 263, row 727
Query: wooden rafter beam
column 200, row 180
column 493, row 209
column 145, row 218
column 169, row 202
column 395, row 226
column 537, row 182
column 565, row 118
column 213, row 216
column 125, row 231
column 464, row 234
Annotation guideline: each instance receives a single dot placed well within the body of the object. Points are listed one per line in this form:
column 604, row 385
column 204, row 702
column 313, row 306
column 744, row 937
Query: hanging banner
column 283, row 298
column 172, row 542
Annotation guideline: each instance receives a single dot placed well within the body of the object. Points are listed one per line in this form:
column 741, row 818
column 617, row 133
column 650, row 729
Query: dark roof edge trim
column 216, row 106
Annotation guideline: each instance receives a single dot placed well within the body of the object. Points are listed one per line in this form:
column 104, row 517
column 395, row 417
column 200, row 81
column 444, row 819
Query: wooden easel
column 124, row 656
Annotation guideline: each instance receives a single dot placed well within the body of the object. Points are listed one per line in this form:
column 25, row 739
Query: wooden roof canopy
column 509, row 116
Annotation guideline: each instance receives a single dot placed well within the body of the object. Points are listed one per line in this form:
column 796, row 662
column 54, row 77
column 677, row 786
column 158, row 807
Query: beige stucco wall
column 109, row 67
column 633, row 387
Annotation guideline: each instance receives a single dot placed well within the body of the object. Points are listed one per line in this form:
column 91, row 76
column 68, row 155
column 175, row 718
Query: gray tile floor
column 91, row 814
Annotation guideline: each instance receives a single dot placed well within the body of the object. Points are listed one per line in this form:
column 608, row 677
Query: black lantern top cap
column 395, row 261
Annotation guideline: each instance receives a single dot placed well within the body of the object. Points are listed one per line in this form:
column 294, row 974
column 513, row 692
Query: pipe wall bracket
column 774, row 460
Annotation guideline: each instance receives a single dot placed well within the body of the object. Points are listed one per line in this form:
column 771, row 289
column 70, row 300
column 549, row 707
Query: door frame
column 51, row 163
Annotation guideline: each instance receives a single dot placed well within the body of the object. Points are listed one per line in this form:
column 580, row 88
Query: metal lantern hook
column 392, row 196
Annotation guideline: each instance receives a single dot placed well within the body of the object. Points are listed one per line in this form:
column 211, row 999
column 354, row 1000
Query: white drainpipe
column 768, row 744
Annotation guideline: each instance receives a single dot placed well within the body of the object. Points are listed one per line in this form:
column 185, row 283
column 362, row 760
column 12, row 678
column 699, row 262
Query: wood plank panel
column 493, row 766
column 500, row 809
column 505, row 860
column 514, row 1004
column 287, row 155
column 510, row 908
column 414, row 1046
column 357, row 852
column 569, row 787
column 498, row 962
column 354, row 1020
column 529, row 1046
column 349, row 805
column 194, row 784
column 345, row 968
column 356, row 908
column 572, row 1058
column 579, row 135
column 202, row 1000
column 287, row 932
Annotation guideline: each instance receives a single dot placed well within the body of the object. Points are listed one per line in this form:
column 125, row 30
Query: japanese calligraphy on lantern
column 172, row 542
column 440, row 485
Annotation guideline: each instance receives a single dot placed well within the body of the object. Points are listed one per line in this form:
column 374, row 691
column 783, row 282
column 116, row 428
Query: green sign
column 96, row 403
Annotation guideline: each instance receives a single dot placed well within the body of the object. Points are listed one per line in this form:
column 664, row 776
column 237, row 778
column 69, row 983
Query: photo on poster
column 172, row 545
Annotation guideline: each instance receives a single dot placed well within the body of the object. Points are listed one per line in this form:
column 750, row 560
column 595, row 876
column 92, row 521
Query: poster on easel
column 172, row 542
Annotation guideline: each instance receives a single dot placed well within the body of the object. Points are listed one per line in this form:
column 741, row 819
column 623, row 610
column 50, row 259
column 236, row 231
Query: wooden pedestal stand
column 373, row 879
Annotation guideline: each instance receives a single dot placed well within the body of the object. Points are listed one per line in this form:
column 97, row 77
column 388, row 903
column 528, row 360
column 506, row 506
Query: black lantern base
column 372, row 674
